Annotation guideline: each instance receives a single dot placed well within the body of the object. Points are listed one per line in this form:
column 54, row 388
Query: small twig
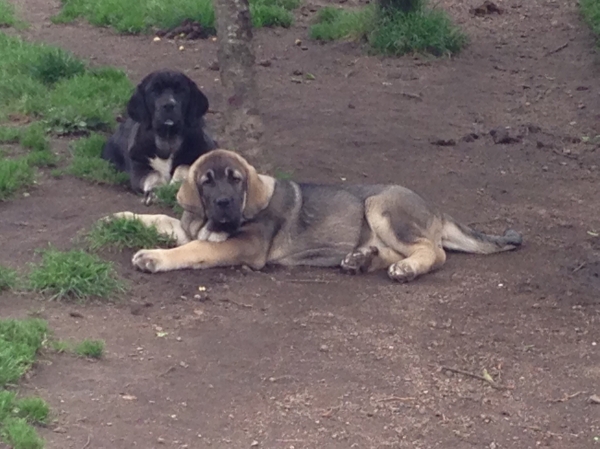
column 309, row 281
column 171, row 368
column 89, row 440
column 579, row 267
column 327, row 413
column 557, row 49
column 395, row 398
column 412, row 96
column 567, row 397
column 475, row 376
column 239, row 304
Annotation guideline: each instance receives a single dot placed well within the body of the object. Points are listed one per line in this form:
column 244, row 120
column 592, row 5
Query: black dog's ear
column 137, row 109
column 197, row 106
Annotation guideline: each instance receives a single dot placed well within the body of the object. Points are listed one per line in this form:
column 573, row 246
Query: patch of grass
column 15, row 174
column 590, row 10
column 335, row 23
column 20, row 435
column 392, row 31
column 7, row 14
column 88, row 165
column 427, row 31
column 49, row 84
column 166, row 195
column 144, row 15
column 273, row 13
column 60, row 346
column 74, row 274
column 20, row 341
column 55, row 64
column 44, row 158
column 34, row 410
column 120, row 233
column 9, row 134
column 34, row 138
column 93, row 349
column 84, row 102
column 8, row 278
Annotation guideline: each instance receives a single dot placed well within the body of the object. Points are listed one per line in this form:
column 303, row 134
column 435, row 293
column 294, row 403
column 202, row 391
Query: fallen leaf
column 595, row 399
column 128, row 397
column 162, row 334
column 487, row 376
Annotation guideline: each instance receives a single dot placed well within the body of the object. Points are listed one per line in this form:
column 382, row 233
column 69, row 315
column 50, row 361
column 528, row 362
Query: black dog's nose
column 223, row 202
column 169, row 107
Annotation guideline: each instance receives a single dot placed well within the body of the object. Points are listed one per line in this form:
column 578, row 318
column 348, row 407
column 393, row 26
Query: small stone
column 265, row 63
column 502, row 136
column 156, row 39
column 214, row 66
column 444, row 142
column 298, row 42
column 181, row 48
column 471, row 137
column 323, row 348
column 254, row 444
column 160, row 440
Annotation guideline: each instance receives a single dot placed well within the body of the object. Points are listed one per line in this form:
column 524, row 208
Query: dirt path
column 311, row 358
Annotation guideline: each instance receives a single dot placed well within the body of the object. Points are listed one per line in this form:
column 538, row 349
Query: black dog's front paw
column 359, row 261
column 149, row 198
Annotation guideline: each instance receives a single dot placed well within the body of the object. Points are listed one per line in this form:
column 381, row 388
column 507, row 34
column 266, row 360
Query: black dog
column 163, row 133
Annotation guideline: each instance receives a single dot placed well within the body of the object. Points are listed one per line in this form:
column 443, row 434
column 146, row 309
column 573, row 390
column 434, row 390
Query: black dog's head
column 222, row 189
column 167, row 101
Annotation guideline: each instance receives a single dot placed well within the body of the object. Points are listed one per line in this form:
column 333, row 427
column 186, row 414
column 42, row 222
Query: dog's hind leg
column 412, row 234
column 165, row 225
column 423, row 258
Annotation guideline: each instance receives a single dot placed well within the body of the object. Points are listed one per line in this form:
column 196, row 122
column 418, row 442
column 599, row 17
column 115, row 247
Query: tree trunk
column 243, row 126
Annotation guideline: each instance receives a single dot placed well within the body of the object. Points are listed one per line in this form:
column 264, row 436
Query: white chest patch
column 162, row 166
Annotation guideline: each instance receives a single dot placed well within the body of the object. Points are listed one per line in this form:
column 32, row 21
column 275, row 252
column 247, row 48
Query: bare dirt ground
column 314, row 359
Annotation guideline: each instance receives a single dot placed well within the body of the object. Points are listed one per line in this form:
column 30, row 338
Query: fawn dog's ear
column 259, row 190
column 188, row 195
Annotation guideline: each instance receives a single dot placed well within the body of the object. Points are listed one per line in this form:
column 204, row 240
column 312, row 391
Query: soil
column 308, row 358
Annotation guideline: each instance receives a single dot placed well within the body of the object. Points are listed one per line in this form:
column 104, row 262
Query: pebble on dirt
column 486, row 8
column 503, row 136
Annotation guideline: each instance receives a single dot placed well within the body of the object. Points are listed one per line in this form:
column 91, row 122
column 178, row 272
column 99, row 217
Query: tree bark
column 243, row 126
